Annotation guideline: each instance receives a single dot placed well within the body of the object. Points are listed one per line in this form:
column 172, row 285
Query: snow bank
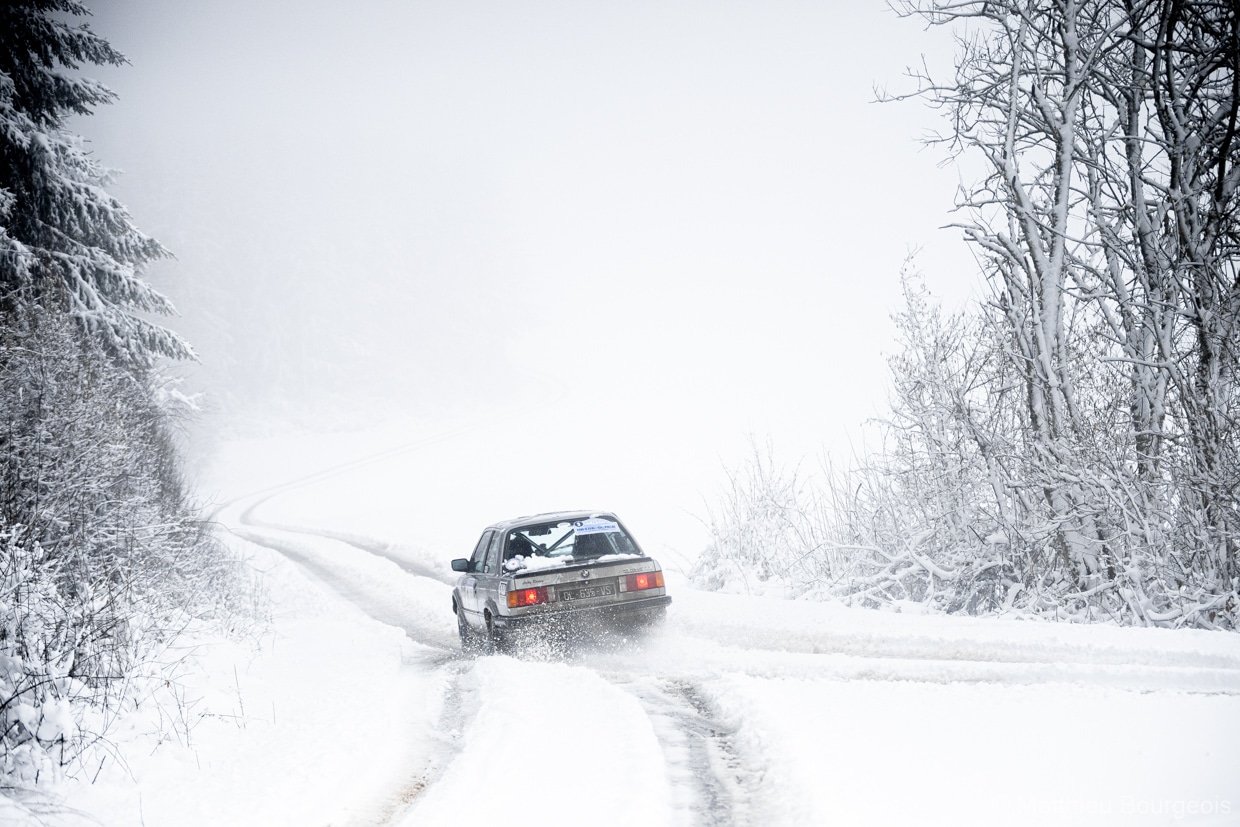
column 866, row 752
column 320, row 721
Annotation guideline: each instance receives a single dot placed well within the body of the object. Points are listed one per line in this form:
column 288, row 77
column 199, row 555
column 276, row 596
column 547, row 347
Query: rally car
column 567, row 570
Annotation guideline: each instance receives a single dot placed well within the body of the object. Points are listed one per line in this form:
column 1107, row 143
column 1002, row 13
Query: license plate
column 586, row 592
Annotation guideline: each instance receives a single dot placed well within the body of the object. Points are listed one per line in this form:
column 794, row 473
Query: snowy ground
column 356, row 707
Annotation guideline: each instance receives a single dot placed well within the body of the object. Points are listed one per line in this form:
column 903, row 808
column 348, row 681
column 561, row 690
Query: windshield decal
column 595, row 525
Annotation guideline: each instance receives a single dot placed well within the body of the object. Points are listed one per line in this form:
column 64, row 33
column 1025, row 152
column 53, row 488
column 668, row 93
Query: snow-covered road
column 359, row 708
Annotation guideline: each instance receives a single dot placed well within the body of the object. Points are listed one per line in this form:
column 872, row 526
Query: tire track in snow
column 457, row 705
column 354, row 593
column 925, row 667
column 457, row 709
column 366, row 544
column 378, row 548
column 710, row 785
column 263, row 533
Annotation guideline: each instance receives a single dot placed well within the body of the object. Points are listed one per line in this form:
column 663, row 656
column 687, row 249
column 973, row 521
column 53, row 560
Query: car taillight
column 527, row 597
column 645, row 580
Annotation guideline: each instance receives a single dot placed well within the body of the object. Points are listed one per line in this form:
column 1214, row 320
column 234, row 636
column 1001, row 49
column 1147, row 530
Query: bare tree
column 1108, row 224
column 1077, row 436
column 1194, row 70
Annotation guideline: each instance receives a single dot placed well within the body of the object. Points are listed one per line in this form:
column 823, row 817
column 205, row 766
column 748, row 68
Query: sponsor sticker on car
column 594, row 525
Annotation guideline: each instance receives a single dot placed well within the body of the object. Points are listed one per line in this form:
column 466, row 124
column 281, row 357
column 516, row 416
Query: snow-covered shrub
column 37, row 641
column 959, row 510
column 916, row 521
column 764, row 532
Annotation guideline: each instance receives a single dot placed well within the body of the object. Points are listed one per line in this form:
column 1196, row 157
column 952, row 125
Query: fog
column 640, row 231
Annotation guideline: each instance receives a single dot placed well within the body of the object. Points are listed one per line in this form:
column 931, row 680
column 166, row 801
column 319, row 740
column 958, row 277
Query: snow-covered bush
column 764, row 531
column 952, row 511
column 36, row 651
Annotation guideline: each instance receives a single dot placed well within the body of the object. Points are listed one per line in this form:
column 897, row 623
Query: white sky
column 682, row 219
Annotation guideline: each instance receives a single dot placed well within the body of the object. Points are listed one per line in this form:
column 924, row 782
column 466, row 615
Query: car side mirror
column 460, row 565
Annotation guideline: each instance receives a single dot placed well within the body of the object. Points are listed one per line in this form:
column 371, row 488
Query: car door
column 492, row 571
column 469, row 583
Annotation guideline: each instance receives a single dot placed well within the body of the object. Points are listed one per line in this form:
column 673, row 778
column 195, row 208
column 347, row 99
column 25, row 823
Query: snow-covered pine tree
column 103, row 559
column 66, row 245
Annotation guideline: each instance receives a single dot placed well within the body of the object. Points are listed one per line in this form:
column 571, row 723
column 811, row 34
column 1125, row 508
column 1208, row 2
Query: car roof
column 550, row 517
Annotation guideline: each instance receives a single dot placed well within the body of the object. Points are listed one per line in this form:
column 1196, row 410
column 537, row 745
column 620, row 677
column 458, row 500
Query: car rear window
column 552, row 544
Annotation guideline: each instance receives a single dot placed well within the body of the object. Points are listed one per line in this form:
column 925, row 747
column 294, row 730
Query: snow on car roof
column 551, row 517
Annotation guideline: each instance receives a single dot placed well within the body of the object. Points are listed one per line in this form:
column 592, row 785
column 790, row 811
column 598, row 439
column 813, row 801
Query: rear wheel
column 497, row 641
column 656, row 618
column 469, row 641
